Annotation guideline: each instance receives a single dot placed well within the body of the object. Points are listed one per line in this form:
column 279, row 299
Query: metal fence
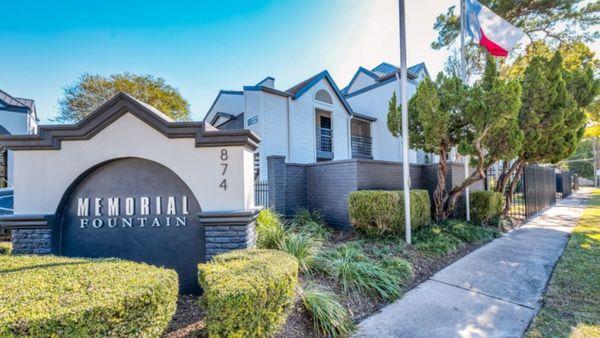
column 540, row 188
column 517, row 208
column 534, row 191
column 261, row 193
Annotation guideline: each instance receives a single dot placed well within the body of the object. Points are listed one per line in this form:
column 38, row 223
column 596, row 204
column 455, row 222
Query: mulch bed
column 188, row 320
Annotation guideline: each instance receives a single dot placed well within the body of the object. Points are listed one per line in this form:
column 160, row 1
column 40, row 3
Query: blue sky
column 203, row 46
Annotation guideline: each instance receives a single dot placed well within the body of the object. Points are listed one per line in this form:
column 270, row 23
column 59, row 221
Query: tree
column 549, row 20
column 581, row 162
column 550, row 118
column 436, row 115
column 447, row 114
column 491, row 129
column 90, row 91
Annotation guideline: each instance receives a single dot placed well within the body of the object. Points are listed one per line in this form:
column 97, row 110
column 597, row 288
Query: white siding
column 375, row 103
column 15, row 122
column 303, row 111
column 274, row 125
column 361, row 81
column 303, row 130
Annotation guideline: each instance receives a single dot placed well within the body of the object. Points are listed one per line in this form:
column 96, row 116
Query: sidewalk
column 492, row 292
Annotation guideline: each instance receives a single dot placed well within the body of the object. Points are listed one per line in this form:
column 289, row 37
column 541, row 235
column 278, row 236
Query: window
column 323, row 96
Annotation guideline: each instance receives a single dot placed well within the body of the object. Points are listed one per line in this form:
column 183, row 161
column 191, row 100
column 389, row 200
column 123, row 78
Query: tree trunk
column 453, row 195
column 503, row 178
column 518, row 169
column 438, row 194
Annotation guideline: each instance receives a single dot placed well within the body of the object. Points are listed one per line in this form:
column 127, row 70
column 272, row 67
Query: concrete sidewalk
column 492, row 292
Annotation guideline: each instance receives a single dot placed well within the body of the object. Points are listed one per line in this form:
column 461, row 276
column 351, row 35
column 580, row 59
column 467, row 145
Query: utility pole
column 403, row 83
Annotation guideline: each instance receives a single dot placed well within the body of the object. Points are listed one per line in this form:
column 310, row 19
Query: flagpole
column 403, row 94
column 463, row 74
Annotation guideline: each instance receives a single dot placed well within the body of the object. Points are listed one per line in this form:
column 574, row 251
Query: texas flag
column 490, row 30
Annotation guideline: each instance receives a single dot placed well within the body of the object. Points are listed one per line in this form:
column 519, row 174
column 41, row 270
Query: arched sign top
column 51, row 136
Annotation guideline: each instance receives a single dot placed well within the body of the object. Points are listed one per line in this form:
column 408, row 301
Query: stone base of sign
column 32, row 241
column 30, row 234
column 226, row 231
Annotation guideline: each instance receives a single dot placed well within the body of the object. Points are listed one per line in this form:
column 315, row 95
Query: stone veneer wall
column 326, row 185
column 220, row 239
column 32, row 241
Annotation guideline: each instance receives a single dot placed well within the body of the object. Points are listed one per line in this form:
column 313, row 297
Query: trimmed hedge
column 378, row 212
column 247, row 292
column 49, row 296
column 5, row 248
column 485, row 205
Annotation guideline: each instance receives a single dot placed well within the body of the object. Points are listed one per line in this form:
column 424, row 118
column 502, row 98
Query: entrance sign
column 128, row 182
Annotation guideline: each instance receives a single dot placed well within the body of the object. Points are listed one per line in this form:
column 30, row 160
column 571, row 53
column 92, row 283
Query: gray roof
column 11, row 101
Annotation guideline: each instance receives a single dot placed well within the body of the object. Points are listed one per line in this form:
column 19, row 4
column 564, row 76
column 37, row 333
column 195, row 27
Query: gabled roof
column 298, row 90
column 8, row 100
column 382, row 74
column 51, row 136
column 265, row 79
column 360, row 70
column 222, row 92
column 18, row 104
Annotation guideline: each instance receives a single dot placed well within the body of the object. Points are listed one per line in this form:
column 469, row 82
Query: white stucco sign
column 129, row 182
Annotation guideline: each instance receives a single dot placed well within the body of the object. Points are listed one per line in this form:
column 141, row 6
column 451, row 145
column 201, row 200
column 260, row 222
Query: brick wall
column 325, row 186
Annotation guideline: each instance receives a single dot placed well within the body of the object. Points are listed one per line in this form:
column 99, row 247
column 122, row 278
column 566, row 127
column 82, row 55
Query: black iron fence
column 534, row 190
column 517, row 207
column 261, row 193
column 540, row 188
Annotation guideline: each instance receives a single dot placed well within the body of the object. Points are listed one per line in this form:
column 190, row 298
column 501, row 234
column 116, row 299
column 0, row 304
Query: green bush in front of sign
column 380, row 212
column 49, row 296
column 485, row 205
column 5, row 248
column 247, row 292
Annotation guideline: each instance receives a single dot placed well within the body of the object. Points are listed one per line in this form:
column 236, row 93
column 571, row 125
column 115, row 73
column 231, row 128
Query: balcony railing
column 324, row 144
column 361, row 147
column 324, row 140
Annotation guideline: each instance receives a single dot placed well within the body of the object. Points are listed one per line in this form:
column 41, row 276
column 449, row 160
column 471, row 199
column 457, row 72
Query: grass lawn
column 571, row 306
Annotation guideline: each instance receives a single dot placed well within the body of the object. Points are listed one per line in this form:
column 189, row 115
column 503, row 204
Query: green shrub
column 357, row 274
column 330, row 318
column 5, row 248
column 303, row 216
column 301, row 245
column 379, row 212
column 269, row 229
column 434, row 241
column 247, row 292
column 469, row 233
column 49, row 296
column 485, row 205
column 398, row 267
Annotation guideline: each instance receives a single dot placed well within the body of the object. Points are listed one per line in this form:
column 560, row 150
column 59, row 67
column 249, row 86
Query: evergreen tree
column 446, row 113
column 550, row 118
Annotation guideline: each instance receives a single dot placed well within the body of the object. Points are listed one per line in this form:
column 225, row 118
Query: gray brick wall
column 387, row 175
column 325, row 186
column 32, row 241
column 277, row 180
column 296, row 191
column 329, row 184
